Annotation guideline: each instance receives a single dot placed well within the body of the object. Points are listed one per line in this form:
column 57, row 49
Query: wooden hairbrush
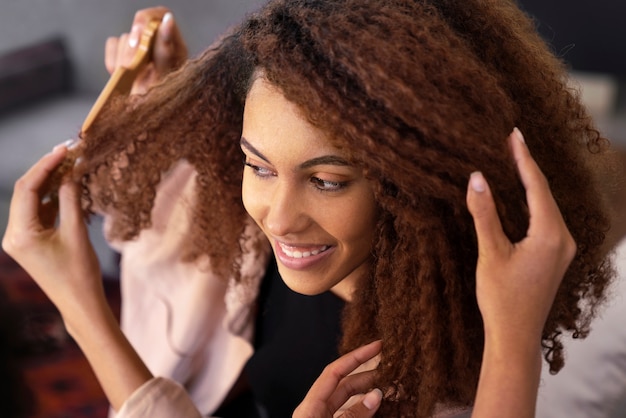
column 120, row 83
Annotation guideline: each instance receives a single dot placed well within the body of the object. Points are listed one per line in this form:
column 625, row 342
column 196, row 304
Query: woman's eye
column 328, row 186
column 259, row 171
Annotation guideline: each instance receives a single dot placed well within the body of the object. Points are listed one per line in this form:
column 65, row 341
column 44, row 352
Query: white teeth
column 300, row 254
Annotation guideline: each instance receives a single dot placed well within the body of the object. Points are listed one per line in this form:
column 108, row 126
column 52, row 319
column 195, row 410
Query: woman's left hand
column 516, row 283
column 168, row 54
column 336, row 386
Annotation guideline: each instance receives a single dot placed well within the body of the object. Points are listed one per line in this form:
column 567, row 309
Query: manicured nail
column 69, row 144
column 477, row 182
column 165, row 28
column 65, row 144
column 372, row 399
column 133, row 39
column 518, row 135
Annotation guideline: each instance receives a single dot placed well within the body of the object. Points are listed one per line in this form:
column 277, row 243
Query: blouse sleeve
column 159, row 398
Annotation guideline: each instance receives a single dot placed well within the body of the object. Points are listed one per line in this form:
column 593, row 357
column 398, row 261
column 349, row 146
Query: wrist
column 509, row 378
column 514, row 349
column 85, row 318
column 514, row 353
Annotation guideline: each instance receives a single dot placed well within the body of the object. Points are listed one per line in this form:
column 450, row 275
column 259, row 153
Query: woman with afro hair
column 358, row 125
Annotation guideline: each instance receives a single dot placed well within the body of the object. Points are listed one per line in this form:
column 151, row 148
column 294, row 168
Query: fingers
column 349, row 386
column 334, row 386
column 332, row 375
column 544, row 212
column 70, row 211
column 366, row 408
column 25, row 209
column 530, row 269
column 482, row 207
column 545, row 216
column 119, row 52
column 169, row 50
column 110, row 52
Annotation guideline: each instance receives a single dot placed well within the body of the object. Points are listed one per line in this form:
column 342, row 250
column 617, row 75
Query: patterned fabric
column 55, row 370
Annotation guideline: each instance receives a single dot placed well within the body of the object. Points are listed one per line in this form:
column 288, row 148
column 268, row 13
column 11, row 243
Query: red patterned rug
column 45, row 374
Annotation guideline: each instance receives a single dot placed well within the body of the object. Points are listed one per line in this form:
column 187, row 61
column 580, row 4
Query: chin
column 304, row 286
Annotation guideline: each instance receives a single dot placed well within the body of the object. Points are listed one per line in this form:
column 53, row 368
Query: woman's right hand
column 57, row 255
column 169, row 51
column 341, row 382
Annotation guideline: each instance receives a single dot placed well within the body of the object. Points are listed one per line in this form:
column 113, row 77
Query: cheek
column 365, row 224
column 368, row 213
column 356, row 222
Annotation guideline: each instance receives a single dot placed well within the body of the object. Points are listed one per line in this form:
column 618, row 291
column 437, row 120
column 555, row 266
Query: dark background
column 589, row 35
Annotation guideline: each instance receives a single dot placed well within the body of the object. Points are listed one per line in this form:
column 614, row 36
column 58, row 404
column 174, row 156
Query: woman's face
column 317, row 211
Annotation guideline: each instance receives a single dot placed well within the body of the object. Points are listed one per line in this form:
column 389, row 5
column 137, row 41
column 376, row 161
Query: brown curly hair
column 419, row 94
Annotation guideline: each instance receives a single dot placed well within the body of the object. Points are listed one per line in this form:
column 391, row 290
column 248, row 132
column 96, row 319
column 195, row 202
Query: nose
column 286, row 211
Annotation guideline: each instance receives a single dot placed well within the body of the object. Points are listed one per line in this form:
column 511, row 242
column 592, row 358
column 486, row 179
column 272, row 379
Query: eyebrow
column 323, row 160
column 245, row 144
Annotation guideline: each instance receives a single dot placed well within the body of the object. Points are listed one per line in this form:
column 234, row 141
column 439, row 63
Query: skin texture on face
column 317, row 210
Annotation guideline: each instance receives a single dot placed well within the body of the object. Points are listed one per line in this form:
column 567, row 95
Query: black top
column 296, row 337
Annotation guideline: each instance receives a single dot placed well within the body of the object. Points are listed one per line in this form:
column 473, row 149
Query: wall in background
column 588, row 34
column 85, row 24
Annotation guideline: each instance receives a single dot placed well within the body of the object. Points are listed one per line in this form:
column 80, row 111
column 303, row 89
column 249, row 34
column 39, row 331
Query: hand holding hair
column 515, row 286
column 336, row 385
column 62, row 261
column 516, row 282
column 59, row 258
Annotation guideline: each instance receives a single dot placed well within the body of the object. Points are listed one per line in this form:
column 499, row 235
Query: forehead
column 271, row 122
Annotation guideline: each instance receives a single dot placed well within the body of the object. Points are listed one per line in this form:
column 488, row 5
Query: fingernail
column 65, row 144
column 69, row 144
column 133, row 39
column 477, row 182
column 372, row 399
column 518, row 135
column 165, row 27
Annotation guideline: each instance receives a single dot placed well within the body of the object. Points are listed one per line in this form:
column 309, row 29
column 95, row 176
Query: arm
column 63, row 263
column 61, row 258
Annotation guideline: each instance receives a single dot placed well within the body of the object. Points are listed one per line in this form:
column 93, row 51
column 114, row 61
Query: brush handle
column 120, row 83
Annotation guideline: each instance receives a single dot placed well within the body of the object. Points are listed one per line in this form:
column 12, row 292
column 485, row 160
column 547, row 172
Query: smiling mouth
column 309, row 252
